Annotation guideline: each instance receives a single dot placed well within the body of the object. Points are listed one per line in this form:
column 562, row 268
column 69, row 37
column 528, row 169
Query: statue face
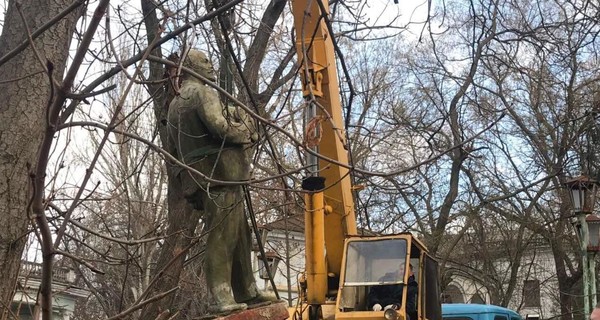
column 199, row 62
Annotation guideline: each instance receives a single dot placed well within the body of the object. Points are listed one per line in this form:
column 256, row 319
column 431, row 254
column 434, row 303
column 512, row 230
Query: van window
column 500, row 317
column 458, row 318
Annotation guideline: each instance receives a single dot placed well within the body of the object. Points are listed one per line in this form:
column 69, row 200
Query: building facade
column 64, row 298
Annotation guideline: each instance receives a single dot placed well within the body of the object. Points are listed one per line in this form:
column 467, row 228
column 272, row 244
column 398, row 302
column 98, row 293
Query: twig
column 68, row 81
column 172, row 158
column 21, row 78
column 143, row 303
column 124, row 64
column 82, row 96
column 85, row 263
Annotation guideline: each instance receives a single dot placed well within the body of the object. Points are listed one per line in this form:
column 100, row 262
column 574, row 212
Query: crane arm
column 314, row 46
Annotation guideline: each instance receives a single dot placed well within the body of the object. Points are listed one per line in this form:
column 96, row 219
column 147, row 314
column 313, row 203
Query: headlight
column 390, row 314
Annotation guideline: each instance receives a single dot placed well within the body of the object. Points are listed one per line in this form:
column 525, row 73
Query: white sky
column 406, row 13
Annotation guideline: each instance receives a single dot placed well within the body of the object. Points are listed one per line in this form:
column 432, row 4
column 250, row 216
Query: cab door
column 430, row 305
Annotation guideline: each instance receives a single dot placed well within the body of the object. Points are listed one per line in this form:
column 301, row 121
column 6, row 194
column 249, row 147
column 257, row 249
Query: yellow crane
column 341, row 266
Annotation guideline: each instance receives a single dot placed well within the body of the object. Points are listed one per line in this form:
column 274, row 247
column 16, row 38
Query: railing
column 33, row 270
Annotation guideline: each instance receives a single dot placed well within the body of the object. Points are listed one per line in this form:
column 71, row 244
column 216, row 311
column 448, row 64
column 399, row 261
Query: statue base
column 261, row 311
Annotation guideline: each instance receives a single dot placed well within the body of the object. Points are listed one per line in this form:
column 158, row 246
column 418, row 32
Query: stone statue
column 214, row 140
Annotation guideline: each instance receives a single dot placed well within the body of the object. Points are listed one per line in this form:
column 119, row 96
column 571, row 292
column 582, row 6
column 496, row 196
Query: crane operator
column 390, row 296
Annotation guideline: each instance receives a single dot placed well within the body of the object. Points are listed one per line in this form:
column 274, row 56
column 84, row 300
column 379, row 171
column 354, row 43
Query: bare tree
column 470, row 128
column 34, row 51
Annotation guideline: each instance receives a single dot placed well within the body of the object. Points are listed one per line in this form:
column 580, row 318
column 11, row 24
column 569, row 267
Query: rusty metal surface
column 273, row 311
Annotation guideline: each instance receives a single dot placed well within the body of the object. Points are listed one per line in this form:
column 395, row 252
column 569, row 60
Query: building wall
column 276, row 243
column 536, row 265
column 64, row 298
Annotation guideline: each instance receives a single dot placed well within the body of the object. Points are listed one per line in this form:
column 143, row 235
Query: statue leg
column 222, row 225
column 244, row 283
column 243, row 280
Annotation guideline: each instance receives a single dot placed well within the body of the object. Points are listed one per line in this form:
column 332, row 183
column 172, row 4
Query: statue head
column 199, row 62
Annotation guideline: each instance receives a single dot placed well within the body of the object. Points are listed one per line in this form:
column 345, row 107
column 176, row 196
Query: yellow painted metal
column 319, row 77
column 316, row 271
column 328, row 311
column 361, row 315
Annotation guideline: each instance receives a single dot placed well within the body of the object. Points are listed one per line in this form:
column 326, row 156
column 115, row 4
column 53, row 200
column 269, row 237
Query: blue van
column 462, row 311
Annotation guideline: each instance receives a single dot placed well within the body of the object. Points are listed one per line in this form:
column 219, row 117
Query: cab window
column 368, row 262
column 371, row 263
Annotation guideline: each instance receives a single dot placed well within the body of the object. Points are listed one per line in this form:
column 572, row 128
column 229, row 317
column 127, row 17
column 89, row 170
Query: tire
column 315, row 312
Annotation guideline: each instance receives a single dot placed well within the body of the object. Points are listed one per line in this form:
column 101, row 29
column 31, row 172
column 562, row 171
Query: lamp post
column 272, row 259
column 593, row 246
column 583, row 198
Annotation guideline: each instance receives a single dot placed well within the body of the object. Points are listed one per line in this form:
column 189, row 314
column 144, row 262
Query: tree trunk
column 565, row 282
column 182, row 219
column 22, row 110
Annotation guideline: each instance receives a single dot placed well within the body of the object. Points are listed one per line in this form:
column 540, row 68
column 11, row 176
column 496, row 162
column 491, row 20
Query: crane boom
column 342, row 268
column 320, row 88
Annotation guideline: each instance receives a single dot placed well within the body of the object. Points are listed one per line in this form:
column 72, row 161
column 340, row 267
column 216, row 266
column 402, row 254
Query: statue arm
column 225, row 122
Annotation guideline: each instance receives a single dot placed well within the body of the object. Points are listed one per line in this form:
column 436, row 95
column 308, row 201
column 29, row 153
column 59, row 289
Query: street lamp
column 593, row 222
column 583, row 198
column 272, row 260
column 583, row 194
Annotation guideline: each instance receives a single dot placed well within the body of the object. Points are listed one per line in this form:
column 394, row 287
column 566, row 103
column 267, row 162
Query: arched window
column 477, row 298
column 531, row 293
column 453, row 294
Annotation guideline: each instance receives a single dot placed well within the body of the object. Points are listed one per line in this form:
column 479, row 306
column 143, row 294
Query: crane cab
column 370, row 262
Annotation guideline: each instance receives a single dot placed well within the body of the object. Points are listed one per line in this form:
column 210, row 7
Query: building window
column 446, row 298
column 531, row 293
column 477, row 299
